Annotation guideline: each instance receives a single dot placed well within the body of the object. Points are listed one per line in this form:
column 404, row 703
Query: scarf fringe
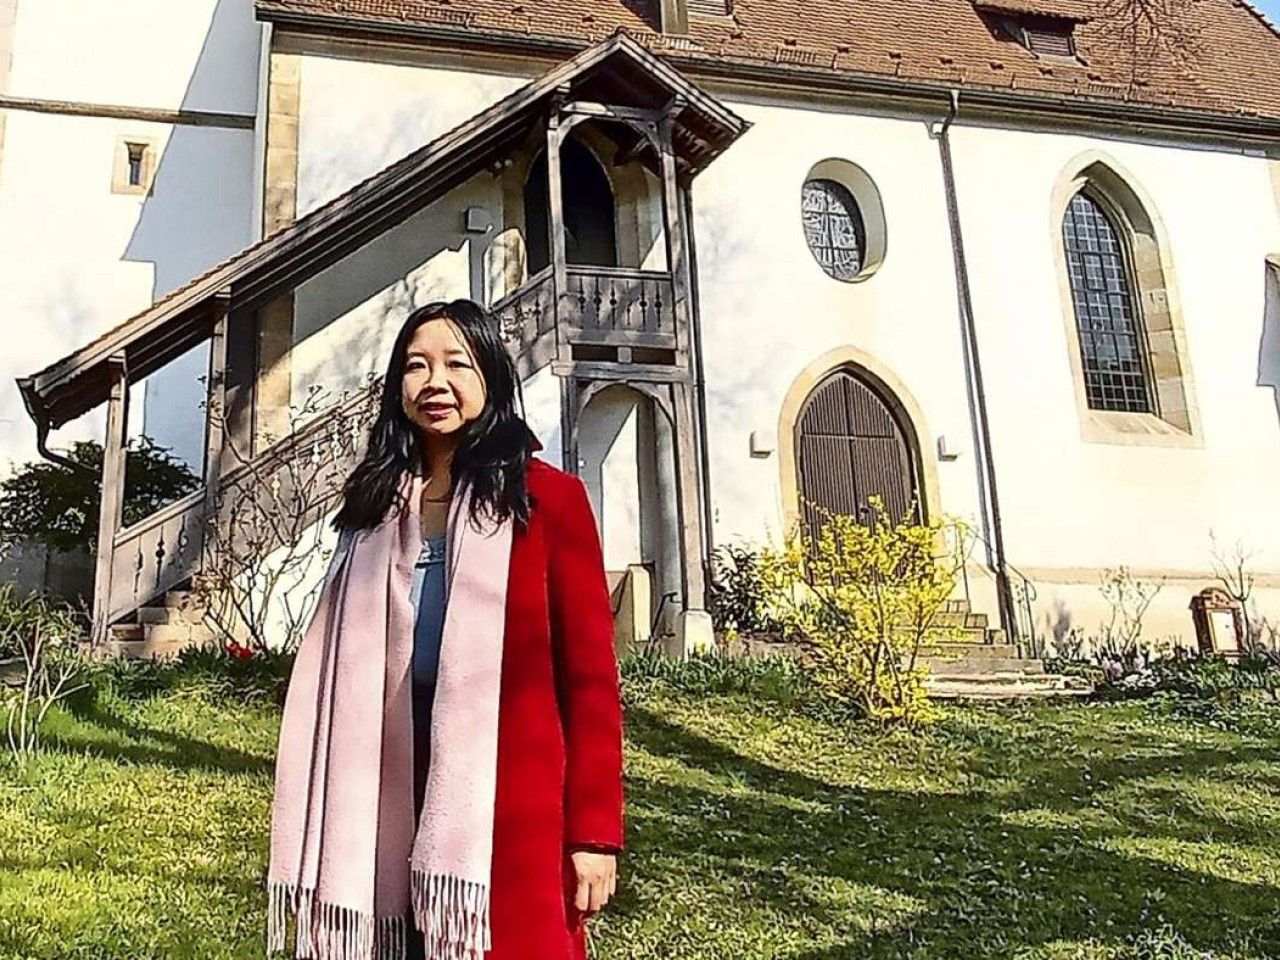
column 326, row 931
column 453, row 915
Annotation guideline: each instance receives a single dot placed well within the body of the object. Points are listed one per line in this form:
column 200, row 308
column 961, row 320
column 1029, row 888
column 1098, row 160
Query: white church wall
column 193, row 55
column 76, row 258
column 346, row 318
column 1074, row 506
column 768, row 310
column 608, row 448
column 357, row 117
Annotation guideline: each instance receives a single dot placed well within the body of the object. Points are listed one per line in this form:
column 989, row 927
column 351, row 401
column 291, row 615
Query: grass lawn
column 755, row 831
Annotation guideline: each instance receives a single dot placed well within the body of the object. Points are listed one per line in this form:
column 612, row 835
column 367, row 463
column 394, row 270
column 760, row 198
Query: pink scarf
column 346, row 854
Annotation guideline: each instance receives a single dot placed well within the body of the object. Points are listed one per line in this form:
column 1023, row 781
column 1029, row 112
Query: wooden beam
column 111, row 496
column 601, row 370
column 216, row 410
column 673, row 226
column 240, row 386
column 555, row 221
column 609, row 111
column 693, row 573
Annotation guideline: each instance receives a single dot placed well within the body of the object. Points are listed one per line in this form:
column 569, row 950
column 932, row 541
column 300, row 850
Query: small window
column 834, row 228
column 134, row 166
column 1050, row 38
column 1045, row 36
column 137, row 153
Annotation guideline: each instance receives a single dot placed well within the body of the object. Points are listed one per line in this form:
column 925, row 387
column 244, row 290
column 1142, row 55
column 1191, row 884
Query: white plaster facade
column 75, row 258
column 1073, row 505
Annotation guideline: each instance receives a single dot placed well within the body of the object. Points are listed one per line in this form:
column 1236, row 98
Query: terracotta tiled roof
column 1219, row 56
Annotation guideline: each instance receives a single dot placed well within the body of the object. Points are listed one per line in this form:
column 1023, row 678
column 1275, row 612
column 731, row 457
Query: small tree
column 1129, row 600
column 738, row 592
column 263, row 537
column 56, row 505
column 860, row 599
column 1231, row 568
column 43, row 635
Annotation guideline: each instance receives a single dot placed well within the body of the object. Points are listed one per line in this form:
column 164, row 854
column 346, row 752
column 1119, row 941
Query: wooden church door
column 850, row 445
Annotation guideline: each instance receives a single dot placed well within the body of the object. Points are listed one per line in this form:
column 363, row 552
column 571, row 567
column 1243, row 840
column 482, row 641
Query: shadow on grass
column 175, row 751
column 989, row 886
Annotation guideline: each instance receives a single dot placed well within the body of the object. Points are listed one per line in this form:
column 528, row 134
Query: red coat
column 559, row 780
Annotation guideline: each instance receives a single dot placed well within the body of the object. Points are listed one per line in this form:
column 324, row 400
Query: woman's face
column 443, row 389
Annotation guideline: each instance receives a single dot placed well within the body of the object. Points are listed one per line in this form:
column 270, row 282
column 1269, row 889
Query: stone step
column 169, row 616
column 152, row 640
column 153, row 648
column 981, row 667
column 1009, row 688
column 960, row 650
column 955, row 606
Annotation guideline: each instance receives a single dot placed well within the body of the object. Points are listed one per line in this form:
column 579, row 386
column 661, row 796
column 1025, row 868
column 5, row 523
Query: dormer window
column 1044, row 34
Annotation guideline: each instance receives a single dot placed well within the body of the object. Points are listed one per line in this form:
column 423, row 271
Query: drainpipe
column 36, row 412
column 978, row 396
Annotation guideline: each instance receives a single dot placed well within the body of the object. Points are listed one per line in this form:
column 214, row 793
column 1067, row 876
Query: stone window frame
column 120, row 169
column 1153, row 279
column 866, row 195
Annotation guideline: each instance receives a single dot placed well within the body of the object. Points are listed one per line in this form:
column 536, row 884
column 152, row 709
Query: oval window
column 833, row 227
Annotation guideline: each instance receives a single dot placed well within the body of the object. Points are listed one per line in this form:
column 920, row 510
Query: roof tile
column 1219, row 56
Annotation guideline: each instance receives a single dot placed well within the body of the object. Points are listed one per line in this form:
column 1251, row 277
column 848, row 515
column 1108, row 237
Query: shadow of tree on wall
column 198, row 212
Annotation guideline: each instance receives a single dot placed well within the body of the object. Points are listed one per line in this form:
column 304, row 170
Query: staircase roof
column 617, row 71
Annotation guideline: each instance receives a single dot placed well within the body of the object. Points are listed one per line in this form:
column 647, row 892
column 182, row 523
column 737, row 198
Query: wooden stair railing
column 261, row 503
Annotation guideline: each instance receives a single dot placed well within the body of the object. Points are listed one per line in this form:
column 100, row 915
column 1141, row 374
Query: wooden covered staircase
column 594, row 325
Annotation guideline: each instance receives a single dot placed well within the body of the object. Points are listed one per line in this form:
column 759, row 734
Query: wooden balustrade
column 259, row 504
column 263, row 503
column 616, row 305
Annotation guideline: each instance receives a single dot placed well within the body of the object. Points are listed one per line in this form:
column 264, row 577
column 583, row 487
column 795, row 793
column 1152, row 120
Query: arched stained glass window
column 1112, row 345
column 833, row 228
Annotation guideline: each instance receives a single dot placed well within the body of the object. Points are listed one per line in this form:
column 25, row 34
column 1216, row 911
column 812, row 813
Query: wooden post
column 215, row 413
column 555, row 220
column 111, row 499
column 688, row 490
column 555, row 226
column 673, row 224
column 688, row 501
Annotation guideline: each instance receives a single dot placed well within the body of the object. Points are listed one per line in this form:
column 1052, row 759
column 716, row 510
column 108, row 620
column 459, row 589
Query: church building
column 1011, row 261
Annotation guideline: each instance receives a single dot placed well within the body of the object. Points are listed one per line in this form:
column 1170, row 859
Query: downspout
column 978, row 396
column 34, row 411
column 699, row 379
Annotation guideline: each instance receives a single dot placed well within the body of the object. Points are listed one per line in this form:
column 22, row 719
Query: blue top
column 427, row 591
column 429, row 599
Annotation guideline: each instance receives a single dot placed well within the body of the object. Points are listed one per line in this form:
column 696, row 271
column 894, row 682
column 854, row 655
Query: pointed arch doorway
column 852, row 441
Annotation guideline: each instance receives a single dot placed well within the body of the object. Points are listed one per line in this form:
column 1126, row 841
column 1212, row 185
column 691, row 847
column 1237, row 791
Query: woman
column 449, row 773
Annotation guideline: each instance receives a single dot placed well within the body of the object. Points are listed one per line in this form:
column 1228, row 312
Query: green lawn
column 755, row 830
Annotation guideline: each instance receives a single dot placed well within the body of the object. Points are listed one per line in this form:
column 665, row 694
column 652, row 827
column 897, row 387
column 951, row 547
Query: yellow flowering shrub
column 860, row 598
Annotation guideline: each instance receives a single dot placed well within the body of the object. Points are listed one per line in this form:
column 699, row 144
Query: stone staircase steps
column 982, row 666
column 174, row 623
column 1007, row 686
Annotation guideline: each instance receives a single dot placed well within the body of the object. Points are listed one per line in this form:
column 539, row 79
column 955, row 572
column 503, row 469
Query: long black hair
column 493, row 449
